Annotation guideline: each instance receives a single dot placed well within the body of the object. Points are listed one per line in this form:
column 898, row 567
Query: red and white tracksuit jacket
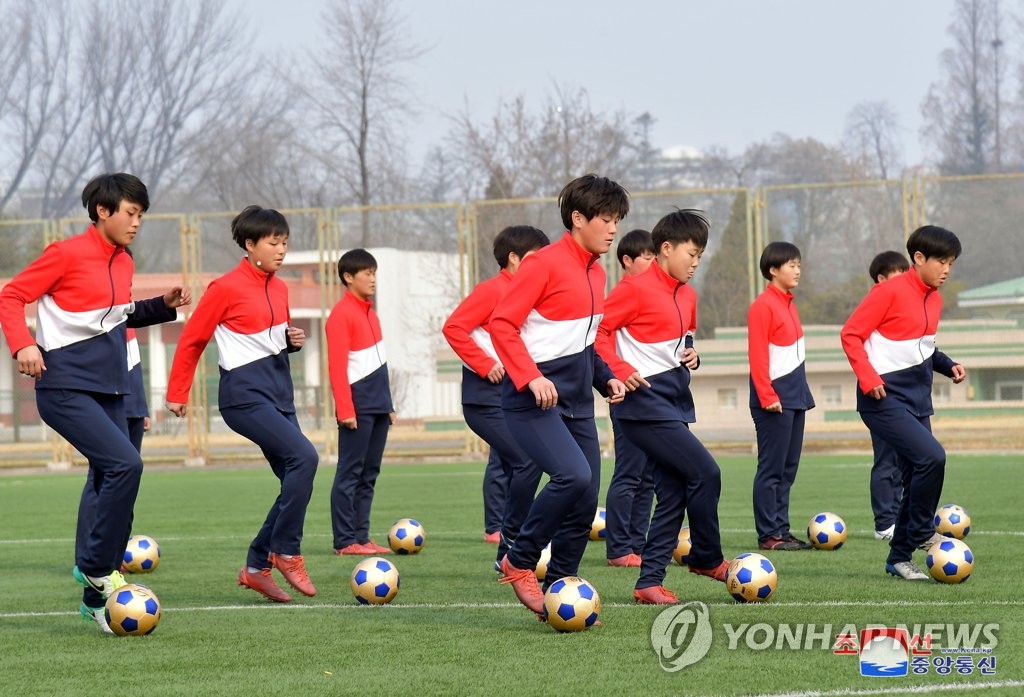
column 775, row 349
column 356, row 359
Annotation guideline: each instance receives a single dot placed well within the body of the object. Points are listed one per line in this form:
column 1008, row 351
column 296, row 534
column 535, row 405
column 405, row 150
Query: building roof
column 1009, row 292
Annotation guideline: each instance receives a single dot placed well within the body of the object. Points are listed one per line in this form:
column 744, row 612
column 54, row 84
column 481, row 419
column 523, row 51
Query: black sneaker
column 780, row 543
column 804, row 544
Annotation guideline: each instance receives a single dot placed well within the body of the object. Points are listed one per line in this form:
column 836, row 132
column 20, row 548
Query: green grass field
column 452, row 628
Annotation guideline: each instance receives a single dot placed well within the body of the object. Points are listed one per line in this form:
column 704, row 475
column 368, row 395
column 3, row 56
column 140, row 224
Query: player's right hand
column 877, row 392
column 544, row 391
column 349, row 423
column 30, row 362
column 496, row 373
column 177, row 408
column 634, row 381
column 774, row 408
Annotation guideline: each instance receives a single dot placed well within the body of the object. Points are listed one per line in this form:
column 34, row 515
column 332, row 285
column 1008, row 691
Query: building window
column 832, row 394
column 940, row 392
column 1010, row 391
column 727, row 398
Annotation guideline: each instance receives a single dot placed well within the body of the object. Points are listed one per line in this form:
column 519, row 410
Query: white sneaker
column 104, row 585
column 907, row 570
column 927, row 544
column 885, row 534
column 97, row 615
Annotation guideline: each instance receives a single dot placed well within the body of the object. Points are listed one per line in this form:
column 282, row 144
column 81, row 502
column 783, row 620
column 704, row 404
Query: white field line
column 396, row 607
column 909, row 690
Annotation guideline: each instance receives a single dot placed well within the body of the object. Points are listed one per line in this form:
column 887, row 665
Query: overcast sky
column 725, row 72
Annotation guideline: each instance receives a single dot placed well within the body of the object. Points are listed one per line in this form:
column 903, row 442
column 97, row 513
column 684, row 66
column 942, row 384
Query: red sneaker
column 294, row 571
column 376, row 548
column 627, row 560
column 492, row 538
column 716, row 572
column 655, row 595
column 262, row 583
column 524, row 583
column 355, row 548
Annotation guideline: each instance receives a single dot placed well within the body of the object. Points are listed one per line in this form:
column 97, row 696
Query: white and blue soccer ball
column 952, row 521
column 826, row 531
column 950, row 561
column 751, row 578
column 407, row 536
column 571, row 604
column 142, row 555
column 132, row 610
column 375, row 581
column 597, row 531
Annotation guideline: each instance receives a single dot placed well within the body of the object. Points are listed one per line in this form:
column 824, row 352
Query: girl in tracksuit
column 246, row 312
column 543, row 331
column 779, row 395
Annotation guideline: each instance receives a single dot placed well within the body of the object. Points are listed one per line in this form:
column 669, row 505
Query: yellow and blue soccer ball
column 952, row 521
column 950, row 561
column 133, row 610
column 407, row 536
column 541, row 570
column 375, row 581
column 751, row 578
column 826, row 531
column 571, row 604
column 597, row 532
column 682, row 545
column 142, row 555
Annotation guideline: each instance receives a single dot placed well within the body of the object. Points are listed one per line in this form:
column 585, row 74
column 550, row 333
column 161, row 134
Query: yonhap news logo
column 681, row 635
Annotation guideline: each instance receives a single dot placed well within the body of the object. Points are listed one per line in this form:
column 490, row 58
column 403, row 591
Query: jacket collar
column 785, row 296
column 351, row 297
column 916, row 283
column 662, row 276
column 102, row 242
column 250, row 271
column 576, row 251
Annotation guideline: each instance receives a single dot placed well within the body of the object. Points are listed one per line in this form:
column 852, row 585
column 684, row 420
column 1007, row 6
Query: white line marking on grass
column 475, row 606
column 914, row 690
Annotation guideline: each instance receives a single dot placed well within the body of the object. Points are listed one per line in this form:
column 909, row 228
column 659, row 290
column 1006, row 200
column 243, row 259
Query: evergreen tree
column 725, row 296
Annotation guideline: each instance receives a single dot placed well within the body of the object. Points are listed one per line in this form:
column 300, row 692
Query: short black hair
column 682, row 225
column 934, row 242
column 592, row 195
column 521, row 239
column 633, row 245
column 775, row 255
column 886, row 263
column 254, row 223
column 108, row 190
column 353, row 261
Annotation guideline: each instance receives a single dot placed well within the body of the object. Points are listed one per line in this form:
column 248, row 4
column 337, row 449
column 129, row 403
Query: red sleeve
column 469, row 315
column 523, row 294
column 759, row 323
column 858, row 328
column 620, row 309
column 37, row 279
column 339, row 342
column 194, row 337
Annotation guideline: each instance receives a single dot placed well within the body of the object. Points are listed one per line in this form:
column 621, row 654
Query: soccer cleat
column 715, row 572
column 376, row 548
column 492, row 538
column 97, row 615
column 104, row 585
column 626, row 560
column 655, row 595
column 885, row 534
column 355, row 548
column 927, row 544
column 804, row 544
column 524, row 583
column 294, row 571
column 262, row 583
column 776, row 542
column 907, row 570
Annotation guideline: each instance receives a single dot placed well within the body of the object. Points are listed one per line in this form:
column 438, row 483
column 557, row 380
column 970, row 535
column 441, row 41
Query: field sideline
column 453, row 629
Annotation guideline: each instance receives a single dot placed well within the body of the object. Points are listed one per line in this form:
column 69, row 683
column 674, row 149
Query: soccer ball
column 542, row 565
column 406, row 536
column 597, row 528
column 826, row 531
column 682, row 545
column 952, row 521
column 375, row 581
column 751, row 578
column 142, row 555
column 132, row 609
column 950, row 561
column 571, row 604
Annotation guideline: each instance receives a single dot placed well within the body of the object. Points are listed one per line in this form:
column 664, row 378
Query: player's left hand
column 296, row 337
column 146, row 423
column 616, row 391
column 690, row 358
column 177, row 297
column 959, row 374
column 393, row 417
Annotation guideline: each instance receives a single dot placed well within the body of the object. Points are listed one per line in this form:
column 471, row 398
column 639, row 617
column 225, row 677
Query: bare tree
column 871, row 139
column 358, row 97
